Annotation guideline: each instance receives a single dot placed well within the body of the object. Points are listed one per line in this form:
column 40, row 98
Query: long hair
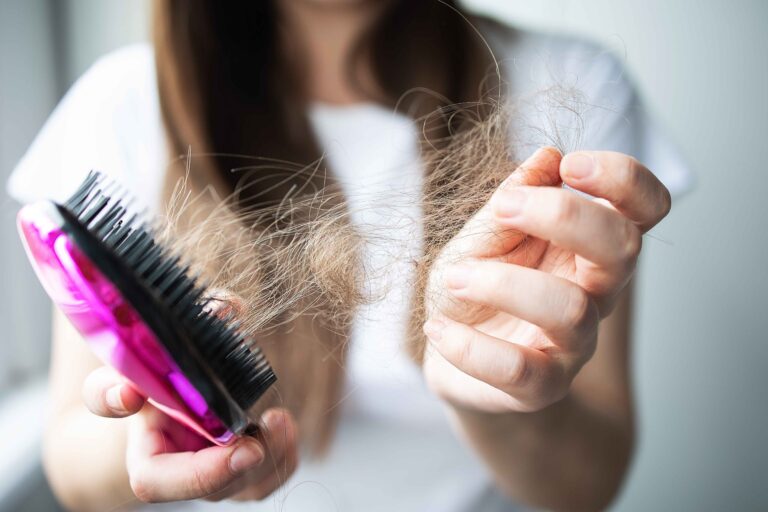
column 227, row 91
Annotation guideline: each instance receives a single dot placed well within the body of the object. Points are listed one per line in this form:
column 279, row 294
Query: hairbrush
column 141, row 310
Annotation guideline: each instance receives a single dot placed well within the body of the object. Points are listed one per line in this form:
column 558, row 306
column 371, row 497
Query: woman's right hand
column 168, row 462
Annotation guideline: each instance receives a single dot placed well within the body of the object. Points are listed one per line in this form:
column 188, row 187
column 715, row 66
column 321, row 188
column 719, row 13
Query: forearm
column 568, row 456
column 84, row 459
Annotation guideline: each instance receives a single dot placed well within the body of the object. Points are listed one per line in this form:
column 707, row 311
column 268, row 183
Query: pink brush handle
column 111, row 326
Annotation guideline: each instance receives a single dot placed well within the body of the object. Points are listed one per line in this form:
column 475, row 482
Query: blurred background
column 701, row 335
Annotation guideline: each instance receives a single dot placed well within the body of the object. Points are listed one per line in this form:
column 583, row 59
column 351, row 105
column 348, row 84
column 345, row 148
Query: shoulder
column 532, row 62
column 126, row 67
column 108, row 120
column 121, row 81
column 575, row 94
column 122, row 76
column 565, row 91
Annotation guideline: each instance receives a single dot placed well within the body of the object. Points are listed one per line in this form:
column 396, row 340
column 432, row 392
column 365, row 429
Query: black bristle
column 93, row 208
column 242, row 371
column 78, row 199
column 118, row 235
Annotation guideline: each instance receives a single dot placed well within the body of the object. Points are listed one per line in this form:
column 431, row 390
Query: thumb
column 107, row 393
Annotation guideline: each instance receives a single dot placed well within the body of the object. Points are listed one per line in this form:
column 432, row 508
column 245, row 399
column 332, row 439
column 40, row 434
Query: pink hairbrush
column 142, row 313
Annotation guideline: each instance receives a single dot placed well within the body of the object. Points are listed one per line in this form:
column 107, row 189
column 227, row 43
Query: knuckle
column 632, row 175
column 559, row 391
column 464, row 348
column 579, row 310
column 202, row 483
column 630, row 178
column 554, row 386
column 517, row 374
column 563, row 209
column 542, row 397
column 633, row 242
column 631, row 171
column 217, row 497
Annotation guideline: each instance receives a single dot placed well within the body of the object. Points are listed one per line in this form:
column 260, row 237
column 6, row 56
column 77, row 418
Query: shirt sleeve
column 616, row 119
column 577, row 96
column 105, row 122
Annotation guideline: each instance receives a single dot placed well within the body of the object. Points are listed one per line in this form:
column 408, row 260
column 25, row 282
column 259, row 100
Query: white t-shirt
column 394, row 449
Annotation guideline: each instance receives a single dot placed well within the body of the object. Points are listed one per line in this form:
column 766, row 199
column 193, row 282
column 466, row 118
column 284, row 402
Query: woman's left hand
column 514, row 300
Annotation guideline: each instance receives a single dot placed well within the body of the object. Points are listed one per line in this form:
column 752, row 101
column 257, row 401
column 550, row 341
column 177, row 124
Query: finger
column 224, row 303
column 278, row 434
column 528, row 254
column 537, row 170
column 574, row 223
column 107, row 393
column 482, row 236
column 460, row 389
column 157, row 476
column 628, row 185
column 563, row 309
column 265, row 487
column 530, row 375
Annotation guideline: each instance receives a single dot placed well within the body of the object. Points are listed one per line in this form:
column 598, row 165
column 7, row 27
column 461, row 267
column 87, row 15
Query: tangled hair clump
column 301, row 257
column 299, row 266
column 305, row 256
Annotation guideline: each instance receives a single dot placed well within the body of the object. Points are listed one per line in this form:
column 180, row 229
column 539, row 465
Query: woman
column 479, row 423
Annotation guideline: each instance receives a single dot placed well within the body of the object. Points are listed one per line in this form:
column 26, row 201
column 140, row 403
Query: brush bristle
column 102, row 209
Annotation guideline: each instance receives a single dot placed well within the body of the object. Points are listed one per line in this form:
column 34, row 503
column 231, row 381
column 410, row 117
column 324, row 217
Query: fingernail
column 114, row 398
column 510, row 203
column 579, row 165
column 245, row 456
column 457, row 276
column 433, row 328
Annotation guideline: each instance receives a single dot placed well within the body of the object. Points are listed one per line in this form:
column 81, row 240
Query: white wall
column 702, row 342
column 93, row 27
column 702, row 332
column 44, row 46
column 28, row 92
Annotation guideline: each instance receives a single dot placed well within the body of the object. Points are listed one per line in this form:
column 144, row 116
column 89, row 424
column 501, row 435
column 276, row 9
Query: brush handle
column 110, row 324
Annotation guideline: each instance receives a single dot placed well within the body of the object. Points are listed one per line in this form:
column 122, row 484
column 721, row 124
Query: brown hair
column 226, row 92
